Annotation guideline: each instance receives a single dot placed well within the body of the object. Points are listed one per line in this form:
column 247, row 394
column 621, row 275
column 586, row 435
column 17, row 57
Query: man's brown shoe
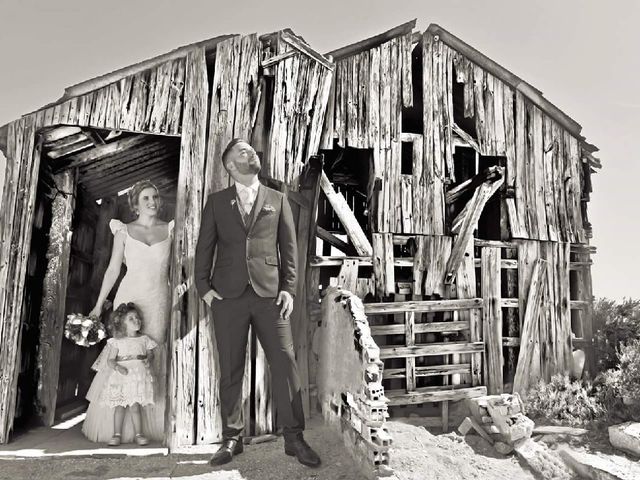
column 225, row 453
column 297, row 447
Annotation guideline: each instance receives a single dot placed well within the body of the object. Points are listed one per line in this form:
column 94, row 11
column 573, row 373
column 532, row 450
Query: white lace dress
column 136, row 386
column 146, row 284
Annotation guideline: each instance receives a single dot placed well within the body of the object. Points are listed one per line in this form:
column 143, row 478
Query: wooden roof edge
column 530, row 92
column 372, row 42
column 109, row 78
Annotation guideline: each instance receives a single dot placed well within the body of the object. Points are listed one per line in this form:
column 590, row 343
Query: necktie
column 246, row 198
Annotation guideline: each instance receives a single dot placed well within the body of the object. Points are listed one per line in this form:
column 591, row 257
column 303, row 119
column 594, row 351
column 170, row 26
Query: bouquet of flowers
column 84, row 331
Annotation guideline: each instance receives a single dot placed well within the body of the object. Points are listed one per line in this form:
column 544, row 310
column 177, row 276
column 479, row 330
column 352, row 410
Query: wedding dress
column 146, row 284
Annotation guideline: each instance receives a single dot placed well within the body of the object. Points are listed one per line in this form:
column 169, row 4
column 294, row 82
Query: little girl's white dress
column 136, row 386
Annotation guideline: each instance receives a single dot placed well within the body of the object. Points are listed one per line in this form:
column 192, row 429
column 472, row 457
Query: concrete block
column 503, row 448
column 545, row 463
column 600, row 466
column 626, row 437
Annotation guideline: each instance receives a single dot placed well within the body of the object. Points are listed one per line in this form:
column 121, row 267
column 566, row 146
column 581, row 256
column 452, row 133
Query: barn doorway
column 88, row 172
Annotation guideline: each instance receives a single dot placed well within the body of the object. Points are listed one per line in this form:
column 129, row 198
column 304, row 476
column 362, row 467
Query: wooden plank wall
column 300, row 97
column 149, row 101
column 555, row 314
column 16, row 219
column 370, row 90
column 543, row 161
column 234, row 95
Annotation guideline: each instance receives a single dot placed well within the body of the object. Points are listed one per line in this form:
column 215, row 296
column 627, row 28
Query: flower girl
column 130, row 384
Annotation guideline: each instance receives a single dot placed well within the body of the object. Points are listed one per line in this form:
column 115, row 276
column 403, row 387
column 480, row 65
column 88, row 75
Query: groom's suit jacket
column 262, row 252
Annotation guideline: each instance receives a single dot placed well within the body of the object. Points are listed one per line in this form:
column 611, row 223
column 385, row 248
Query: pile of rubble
column 501, row 421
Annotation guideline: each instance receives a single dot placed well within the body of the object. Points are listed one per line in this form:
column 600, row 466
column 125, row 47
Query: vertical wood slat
column 181, row 393
column 54, row 294
column 19, row 193
column 550, row 174
column 492, row 319
column 383, row 263
column 407, row 80
column 433, row 167
column 410, row 339
column 528, row 371
column 466, row 288
column 538, row 180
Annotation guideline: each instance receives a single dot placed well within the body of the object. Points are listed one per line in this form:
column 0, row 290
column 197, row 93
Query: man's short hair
column 228, row 148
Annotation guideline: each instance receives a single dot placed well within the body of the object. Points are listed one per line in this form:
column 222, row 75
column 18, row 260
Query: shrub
column 564, row 401
column 615, row 324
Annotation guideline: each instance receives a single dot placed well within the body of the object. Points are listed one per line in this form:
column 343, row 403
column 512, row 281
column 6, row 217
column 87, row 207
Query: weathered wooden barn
column 454, row 192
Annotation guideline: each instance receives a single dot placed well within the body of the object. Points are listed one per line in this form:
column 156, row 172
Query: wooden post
column 492, row 319
column 181, row 394
column 54, row 294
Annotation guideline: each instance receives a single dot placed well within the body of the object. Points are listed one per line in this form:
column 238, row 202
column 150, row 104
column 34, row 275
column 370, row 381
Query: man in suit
column 253, row 282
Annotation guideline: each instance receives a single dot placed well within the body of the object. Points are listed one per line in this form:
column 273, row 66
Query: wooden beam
column 52, row 312
column 98, row 153
column 69, row 149
column 429, row 327
column 55, row 134
column 302, row 47
column 372, row 42
column 468, row 139
column 334, row 241
column 423, row 306
column 489, row 174
column 469, row 223
column 400, row 397
column 347, row 218
column 431, row 349
column 430, row 371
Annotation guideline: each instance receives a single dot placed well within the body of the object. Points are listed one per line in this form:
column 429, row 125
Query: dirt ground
column 416, row 454
column 420, row 455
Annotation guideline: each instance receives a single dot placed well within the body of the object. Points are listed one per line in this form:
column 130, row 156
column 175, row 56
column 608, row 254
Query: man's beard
column 252, row 166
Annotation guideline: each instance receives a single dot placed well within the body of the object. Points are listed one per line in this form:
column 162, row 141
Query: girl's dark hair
column 116, row 320
column 134, row 193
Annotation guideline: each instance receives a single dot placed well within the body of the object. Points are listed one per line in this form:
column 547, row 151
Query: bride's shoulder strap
column 117, row 226
column 171, row 224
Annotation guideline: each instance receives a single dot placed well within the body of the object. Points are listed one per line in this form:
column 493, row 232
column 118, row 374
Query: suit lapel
column 257, row 206
column 235, row 206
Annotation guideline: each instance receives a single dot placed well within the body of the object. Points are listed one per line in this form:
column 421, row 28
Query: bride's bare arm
column 112, row 272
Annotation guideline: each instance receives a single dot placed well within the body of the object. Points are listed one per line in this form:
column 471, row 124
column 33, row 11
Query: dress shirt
column 247, row 195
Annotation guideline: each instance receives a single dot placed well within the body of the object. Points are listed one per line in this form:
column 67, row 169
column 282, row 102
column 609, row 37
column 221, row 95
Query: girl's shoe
column 115, row 440
column 141, row 440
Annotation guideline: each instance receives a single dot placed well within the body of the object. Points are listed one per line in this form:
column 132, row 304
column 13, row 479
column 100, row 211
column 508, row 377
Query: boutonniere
column 233, row 203
column 268, row 208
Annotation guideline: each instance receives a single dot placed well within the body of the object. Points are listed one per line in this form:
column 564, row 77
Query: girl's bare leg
column 118, row 418
column 135, row 416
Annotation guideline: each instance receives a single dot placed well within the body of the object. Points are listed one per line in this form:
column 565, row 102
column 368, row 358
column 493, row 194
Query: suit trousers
column 231, row 319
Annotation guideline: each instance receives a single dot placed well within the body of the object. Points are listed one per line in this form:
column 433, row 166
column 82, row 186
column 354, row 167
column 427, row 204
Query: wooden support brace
column 470, row 220
column 334, row 241
column 347, row 218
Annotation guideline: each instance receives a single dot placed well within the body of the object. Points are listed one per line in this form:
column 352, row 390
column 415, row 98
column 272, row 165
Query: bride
column 144, row 246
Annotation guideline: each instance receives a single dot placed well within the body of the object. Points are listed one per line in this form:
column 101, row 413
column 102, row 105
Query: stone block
column 626, row 437
column 600, row 466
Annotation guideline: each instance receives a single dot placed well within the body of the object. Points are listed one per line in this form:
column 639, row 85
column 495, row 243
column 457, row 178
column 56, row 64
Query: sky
column 582, row 54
